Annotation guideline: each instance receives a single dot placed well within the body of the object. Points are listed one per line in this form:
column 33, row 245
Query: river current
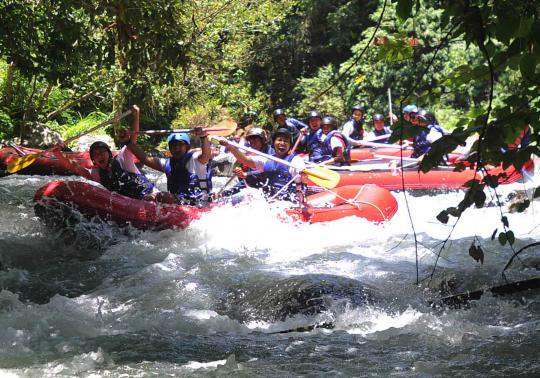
column 98, row 300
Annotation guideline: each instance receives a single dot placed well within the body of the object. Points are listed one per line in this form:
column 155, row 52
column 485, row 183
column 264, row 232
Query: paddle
column 373, row 144
column 223, row 128
column 24, row 161
column 319, row 175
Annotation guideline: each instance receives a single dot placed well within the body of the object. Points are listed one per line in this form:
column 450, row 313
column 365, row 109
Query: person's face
column 178, row 148
column 378, row 125
column 280, row 119
column 413, row 119
column 357, row 115
column 100, row 158
column 407, row 117
column 326, row 128
column 282, row 144
column 255, row 142
column 314, row 123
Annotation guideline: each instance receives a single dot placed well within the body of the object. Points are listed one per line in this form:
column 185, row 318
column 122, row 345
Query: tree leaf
column 527, row 65
column 504, row 221
column 476, row 253
column 536, row 192
column 502, row 238
column 494, row 233
column 404, row 8
column 443, row 217
column 510, row 237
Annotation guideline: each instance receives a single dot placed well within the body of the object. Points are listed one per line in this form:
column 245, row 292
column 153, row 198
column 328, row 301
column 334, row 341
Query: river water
column 96, row 300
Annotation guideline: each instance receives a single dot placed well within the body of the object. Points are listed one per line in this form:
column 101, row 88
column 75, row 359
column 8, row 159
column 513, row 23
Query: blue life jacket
column 126, row 183
column 276, row 176
column 315, row 146
column 254, row 178
column 327, row 148
column 421, row 145
column 183, row 184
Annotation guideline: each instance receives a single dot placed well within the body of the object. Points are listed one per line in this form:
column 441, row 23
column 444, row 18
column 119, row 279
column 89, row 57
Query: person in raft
column 119, row 173
column 310, row 138
column 281, row 181
column 353, row 129
column 189, row 179
column 431, row 131
column 335, row 148
column 379, row 129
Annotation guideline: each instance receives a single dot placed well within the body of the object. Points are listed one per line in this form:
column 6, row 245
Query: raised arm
column 206, row 153
column 135, row 113
column 239, row 155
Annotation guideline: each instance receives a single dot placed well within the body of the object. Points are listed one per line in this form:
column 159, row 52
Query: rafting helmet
column 410, row 109
column 99, row 144
column 282, row 131
column 426, row 116
column 314, row 114
column 378, row 117
column 257, row 132
column 329, row 120
column 181, row 137
column 277, row 113
column 362, row 108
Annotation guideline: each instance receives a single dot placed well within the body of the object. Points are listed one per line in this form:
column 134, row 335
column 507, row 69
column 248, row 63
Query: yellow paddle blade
column 21, row 162
column 223, row 128
column 323, row 177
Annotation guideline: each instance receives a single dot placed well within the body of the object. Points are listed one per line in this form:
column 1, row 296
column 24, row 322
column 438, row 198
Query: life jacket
column 327, row 148
column 384, row 131
column 184, row 184
column 358, row 129
column 315, row 146
column 255, row 179
column 275, row 176
column 421, row 145
column 128, row 184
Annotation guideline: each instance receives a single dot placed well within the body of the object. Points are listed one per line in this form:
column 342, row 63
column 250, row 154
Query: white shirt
column 194, row 166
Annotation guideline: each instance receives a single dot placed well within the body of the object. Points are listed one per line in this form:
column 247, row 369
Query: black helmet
column 426, row 116
column 329, row 120
column 282, row 131
column 257, row 132
column 362, row 108
column 314, row 114
column 378, row 117
column 278, row 112
column 99, row 144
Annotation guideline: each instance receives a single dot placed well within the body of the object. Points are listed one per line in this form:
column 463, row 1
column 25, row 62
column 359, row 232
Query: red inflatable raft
column 371, row 202
column 46, row 163
column 438, row 178
column 55, row 201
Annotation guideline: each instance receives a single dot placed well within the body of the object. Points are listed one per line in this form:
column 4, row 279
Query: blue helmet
column 410, row 109
column 181, row 137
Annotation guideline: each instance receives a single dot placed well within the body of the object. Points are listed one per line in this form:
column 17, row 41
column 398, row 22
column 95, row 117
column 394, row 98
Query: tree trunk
column 8, row 92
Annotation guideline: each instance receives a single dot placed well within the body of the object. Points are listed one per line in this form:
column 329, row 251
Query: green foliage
column 91, row 120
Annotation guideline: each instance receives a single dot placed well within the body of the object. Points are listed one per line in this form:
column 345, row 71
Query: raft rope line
column 356, row 203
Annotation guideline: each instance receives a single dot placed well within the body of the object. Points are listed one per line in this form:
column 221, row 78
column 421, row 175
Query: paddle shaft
column 112, row 120
column 257, row 152
column 169, row 131
column 390, row 106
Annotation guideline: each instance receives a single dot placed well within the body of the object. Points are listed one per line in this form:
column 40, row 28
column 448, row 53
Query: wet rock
column 277, row 299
